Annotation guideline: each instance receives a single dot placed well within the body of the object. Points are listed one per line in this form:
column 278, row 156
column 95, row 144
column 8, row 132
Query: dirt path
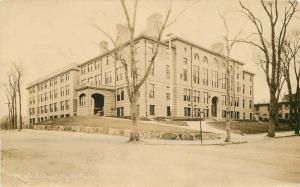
column 50, row 158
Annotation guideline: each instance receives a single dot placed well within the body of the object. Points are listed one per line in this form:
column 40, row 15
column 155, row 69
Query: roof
column 248, row 72
column 123, row 45
column 206, row 49
column 54, row 74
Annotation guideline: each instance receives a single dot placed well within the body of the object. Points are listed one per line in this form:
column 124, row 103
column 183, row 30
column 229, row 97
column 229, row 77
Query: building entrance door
column 214, row 106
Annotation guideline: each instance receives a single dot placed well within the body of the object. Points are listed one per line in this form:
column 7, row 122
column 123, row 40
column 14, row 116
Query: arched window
column 205, row 59
column 223, row 66
column 82, row 99
column 216, row 63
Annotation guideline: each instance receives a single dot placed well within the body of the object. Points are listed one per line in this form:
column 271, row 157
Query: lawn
column 107, row 122
column 249, row 127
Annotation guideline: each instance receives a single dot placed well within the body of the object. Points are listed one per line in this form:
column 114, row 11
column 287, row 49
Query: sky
column 47, row 35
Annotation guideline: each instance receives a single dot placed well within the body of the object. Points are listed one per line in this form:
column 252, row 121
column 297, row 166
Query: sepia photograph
column 149, row 93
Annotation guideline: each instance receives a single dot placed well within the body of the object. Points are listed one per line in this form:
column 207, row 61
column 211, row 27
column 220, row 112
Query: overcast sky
column 45, row 35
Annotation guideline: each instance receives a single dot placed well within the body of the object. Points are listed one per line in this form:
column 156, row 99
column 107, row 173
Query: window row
column 53, row 107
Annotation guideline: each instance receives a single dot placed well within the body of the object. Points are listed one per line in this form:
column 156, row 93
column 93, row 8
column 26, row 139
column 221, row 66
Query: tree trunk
column 297, row 108
column 134, row 135
column 20, row 109
column 273, row 113
column 228, row 135
column 16, row 113
column 12, row 114
column 290, row 94
column 291, row 109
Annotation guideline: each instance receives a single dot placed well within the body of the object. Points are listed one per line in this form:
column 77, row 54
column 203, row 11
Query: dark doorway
column 214, row 106
column 98, row 104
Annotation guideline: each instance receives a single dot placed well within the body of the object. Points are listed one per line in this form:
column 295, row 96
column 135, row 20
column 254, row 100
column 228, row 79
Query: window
column 250, row 90
column 98, row 79
column 286, row 116
column 62, row 105
column 205, row 97
column 187, row 95
column 206, row 112
column 67, row 105
column 185, row 61
column 198, row 96
column 250, row 103
column 62, row 91
column 187, row 111
column 90, row 67
column 90, row 80
column 83, row 82
column 167, row 71
column 55, row 107
column 151, row 90
column 185, row 74
column 205, row 60
column 67, row 76
column 120, row 94
column 107, row 60
column 236, row 102
column 243, row 89
column 205, row 76
column 168, row 94
column 97, row 64
column 45, row 107
column 223, row 100
column 119, row 72
column 196, row 78
column 51, row 108
column 55, row 93
column 223, row 81
column 168, row 111
column 152, row 110
column 108, row 77
column 62, row 78
column 214, row 81
column 196, row 56
column 243, row 103
column 82, row 100
column 67, row 90
column 51, row 95
column 120, row 111
column 286, row 106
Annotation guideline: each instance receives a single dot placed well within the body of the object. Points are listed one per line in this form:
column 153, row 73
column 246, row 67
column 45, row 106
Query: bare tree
column 11, row 92
column 290, row 51
column 272, row 56
column 19, row 73
column 134, row 80
column 296, row 63
column 230, row 76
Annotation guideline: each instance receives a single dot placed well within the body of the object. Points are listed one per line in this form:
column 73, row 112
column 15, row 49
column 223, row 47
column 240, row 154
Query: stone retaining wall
column 126, row 132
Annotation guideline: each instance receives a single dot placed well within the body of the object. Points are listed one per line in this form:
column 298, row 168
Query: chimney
column 122, row 34
column 154, row 24
column 103, row 47
column 218, row 47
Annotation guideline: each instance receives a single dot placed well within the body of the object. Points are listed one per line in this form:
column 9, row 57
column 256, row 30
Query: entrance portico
column 96, row 101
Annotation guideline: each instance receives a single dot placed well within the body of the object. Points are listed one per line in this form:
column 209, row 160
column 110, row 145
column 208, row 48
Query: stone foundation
column 126, row 132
